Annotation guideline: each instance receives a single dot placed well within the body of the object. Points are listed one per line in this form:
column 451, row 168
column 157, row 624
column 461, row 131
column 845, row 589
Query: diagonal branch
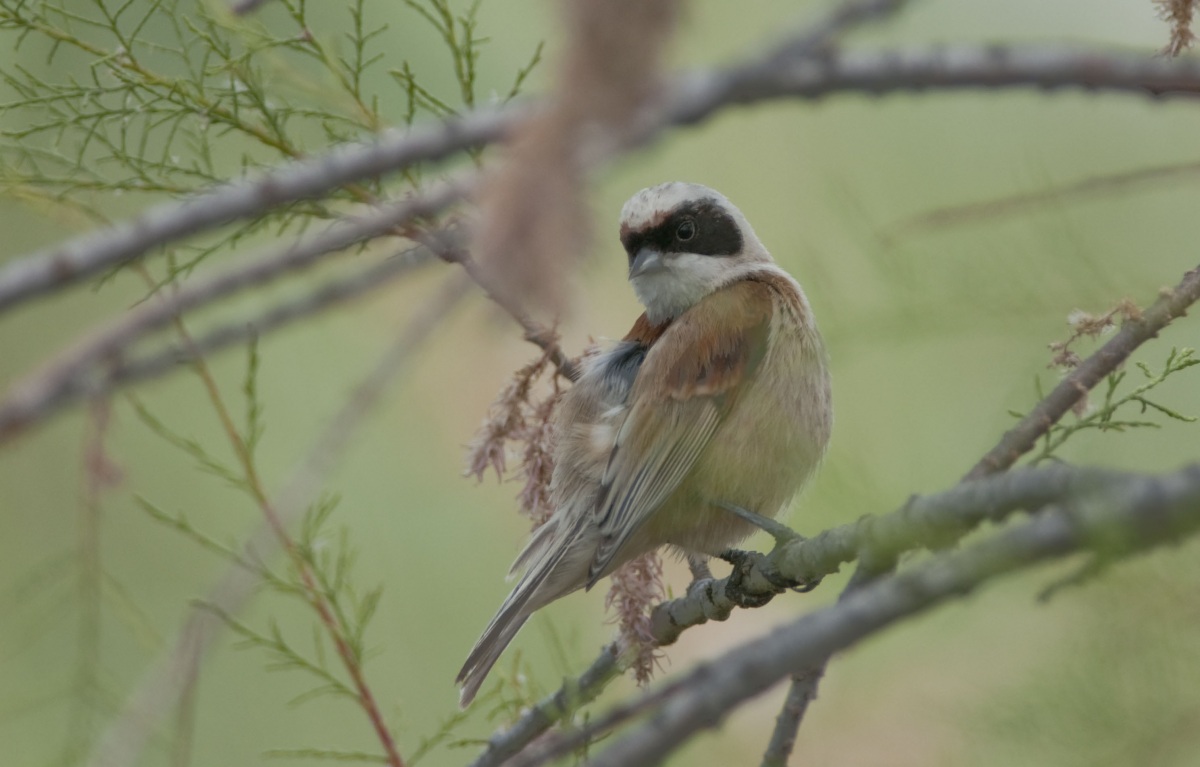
column 1172, row 303
column 801, row 692
column 94, row 252
column 69, row 375
column 1130, row 515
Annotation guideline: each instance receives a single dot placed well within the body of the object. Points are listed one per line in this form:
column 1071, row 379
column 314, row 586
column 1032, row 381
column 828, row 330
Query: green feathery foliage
column 179, row 96
column 1110, row 414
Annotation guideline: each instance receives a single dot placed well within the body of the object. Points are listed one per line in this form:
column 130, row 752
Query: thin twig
column 1172, row 303
column 801, row 691
column 314, row 594
column 153, row 697
column 1134, row 515
column 535, row 333
column 1024, row 202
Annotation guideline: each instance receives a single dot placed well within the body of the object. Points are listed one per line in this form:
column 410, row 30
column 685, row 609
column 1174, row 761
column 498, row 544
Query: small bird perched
column 718, row 396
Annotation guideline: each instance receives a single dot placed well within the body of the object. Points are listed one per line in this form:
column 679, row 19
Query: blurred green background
column 933, row 336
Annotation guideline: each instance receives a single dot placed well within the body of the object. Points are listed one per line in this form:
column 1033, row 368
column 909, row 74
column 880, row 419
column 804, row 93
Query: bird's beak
column 646, row 260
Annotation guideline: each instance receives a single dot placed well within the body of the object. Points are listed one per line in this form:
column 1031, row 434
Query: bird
column 719, row 396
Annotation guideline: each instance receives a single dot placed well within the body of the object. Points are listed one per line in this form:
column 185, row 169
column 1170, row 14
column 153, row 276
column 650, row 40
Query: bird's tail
column 546, row 556
column 487, row 650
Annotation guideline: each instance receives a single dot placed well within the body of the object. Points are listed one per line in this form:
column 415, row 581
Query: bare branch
column 1172, row 303
column 69, row 375
column 1130, row 514
column 962, row 67
column 324, row 296
column 94, row 252
column 694, row 98
column 504, row 745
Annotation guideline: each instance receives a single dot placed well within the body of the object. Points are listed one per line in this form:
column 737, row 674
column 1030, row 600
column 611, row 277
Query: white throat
column 688, row 278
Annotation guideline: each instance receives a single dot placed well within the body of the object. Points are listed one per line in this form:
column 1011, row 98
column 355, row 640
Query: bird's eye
column 686, row 230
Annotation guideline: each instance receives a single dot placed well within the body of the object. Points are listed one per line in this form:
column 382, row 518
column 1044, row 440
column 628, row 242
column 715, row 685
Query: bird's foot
column 735, row 588
column 783, row 535
column 744, row 562
column 702, row 576
column 698, row 564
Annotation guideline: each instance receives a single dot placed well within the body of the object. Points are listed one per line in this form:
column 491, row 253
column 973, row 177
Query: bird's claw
column 743, row 562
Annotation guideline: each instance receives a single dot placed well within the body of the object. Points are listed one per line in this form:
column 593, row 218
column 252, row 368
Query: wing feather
column 688, row 382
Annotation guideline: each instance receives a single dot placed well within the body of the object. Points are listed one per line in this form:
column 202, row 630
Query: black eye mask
column 715, row 233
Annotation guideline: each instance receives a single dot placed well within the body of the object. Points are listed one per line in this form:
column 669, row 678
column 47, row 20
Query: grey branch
column 94, row 252
column 506, row 744
column 1021, row 438
column 326, row 295
column 72, row 375
column 1110, row 515
column 961, row 67
column 802, row 690
column 693, row 97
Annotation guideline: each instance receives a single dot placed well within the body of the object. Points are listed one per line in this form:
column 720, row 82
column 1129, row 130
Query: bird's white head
column 685, row 241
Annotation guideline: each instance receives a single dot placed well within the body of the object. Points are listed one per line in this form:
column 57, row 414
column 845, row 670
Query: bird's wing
column 690, row 379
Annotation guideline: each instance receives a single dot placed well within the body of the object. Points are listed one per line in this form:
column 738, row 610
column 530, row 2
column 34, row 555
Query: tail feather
column 487, row 651
column 544, row 581
column 511, row 616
